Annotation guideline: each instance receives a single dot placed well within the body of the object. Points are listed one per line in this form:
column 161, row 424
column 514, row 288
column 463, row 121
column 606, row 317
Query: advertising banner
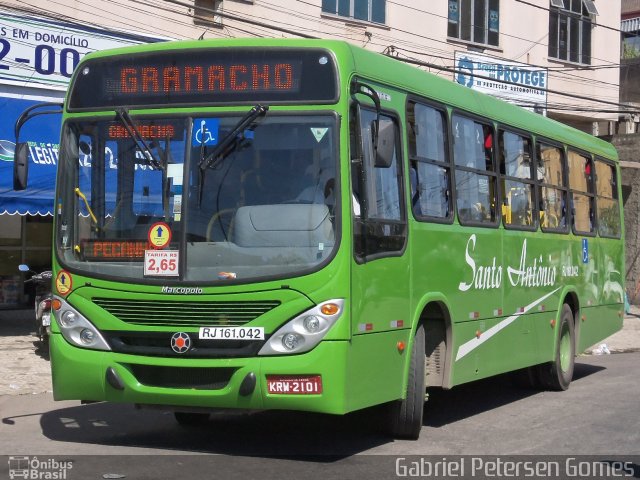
column 518, row 83
column 43, row 135
column 39, row 52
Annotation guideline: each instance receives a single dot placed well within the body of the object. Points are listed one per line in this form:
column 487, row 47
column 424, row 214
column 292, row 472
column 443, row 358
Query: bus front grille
column 158, row 344
column 185, row 314
column 182, row 377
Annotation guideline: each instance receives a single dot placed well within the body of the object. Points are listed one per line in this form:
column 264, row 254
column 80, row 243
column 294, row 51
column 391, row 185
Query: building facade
column 551, row 56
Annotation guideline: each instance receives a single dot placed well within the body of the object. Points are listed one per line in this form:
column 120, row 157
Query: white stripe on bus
column 474, row 343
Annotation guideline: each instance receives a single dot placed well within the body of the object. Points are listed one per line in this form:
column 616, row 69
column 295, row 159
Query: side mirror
column 386, row 143
column 20, row 166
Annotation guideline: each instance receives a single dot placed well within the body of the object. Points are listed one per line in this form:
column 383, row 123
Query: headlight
column 68, row 319
column 311, row 324
column 76, row 329
column 305, row 331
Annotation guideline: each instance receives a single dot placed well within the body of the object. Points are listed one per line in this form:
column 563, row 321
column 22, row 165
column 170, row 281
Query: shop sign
column 519, row 83
column 38, row 52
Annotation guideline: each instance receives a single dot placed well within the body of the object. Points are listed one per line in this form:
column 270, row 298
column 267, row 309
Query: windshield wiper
column 126, row 120
column 231, row 139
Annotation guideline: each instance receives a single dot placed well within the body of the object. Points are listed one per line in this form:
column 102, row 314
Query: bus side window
column 582, row 197
column 429, row 175
column 476, row 191
column 552, row 191
column 608, row 206
column 517, row 182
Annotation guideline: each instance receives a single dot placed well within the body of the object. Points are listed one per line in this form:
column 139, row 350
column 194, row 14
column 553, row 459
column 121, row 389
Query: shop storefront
column 37, row 58
column 26, row 216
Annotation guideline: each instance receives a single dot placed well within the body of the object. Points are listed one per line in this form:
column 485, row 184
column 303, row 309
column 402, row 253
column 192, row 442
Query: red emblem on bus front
column 180, row 342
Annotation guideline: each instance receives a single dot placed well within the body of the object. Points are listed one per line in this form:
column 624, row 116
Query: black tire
column 191, row 419
column 405, row 416
column 557, row 375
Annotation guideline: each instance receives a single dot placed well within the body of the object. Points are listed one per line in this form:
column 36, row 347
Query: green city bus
column 307, row 225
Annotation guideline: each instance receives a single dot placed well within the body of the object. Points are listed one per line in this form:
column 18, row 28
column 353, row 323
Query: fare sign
column 161, row 263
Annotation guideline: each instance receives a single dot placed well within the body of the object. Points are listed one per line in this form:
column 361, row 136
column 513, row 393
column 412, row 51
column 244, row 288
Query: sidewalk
column 24, row 368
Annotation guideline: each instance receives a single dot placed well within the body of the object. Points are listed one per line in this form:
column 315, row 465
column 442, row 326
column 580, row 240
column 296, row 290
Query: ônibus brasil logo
column 33, row 468
column 180, row 342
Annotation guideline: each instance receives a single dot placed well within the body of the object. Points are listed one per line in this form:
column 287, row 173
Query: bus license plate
column 294, row 385
column 231, row 333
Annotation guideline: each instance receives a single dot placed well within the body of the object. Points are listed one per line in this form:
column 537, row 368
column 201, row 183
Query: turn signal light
column 56, row 304
column 330, row 309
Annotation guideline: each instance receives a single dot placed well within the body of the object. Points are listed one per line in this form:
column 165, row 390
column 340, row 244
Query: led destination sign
column 110, row 250
column 151, row 131
column 264, row 77
column 205, row 77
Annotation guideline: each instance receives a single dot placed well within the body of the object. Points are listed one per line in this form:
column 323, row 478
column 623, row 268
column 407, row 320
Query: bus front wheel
column 557, row 375
column 405, row 416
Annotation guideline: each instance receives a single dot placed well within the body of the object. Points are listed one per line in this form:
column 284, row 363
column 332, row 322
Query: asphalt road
column 599, row 415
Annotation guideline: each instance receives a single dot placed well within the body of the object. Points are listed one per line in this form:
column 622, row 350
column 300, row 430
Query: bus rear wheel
column 405, row 416
column 557, row 375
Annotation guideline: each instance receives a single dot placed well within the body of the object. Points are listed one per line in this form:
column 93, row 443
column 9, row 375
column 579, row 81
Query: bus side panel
column 375, row 368
column 493, row 346
column 611, row 262
column 602, row 302
column 597, row 323
column 471, row 262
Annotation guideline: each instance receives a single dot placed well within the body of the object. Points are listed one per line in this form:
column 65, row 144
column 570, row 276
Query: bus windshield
column 263, row 206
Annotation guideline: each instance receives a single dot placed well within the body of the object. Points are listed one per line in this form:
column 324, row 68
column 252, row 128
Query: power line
column 243, row 20
column 529, row 64
column 270, row 27
column 549, row 10
column 394, row 51
column 501, row 33
column 555, row 92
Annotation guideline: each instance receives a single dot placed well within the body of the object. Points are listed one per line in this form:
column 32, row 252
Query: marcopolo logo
column 36, row 469
column 182, row 290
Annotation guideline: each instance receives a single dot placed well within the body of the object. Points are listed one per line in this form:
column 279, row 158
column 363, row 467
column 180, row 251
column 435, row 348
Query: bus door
column 380, row 274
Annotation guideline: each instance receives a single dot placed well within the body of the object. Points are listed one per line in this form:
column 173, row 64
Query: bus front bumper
column 92, row 375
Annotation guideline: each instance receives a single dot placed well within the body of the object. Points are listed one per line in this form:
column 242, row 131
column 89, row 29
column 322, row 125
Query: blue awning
column 43, row 135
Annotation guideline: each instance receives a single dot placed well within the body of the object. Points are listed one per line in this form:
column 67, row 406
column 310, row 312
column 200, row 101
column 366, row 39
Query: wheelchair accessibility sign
column 205, row 131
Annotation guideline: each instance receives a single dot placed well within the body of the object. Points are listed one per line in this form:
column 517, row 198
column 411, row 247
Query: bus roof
column 450, row 93
column 376, row 67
